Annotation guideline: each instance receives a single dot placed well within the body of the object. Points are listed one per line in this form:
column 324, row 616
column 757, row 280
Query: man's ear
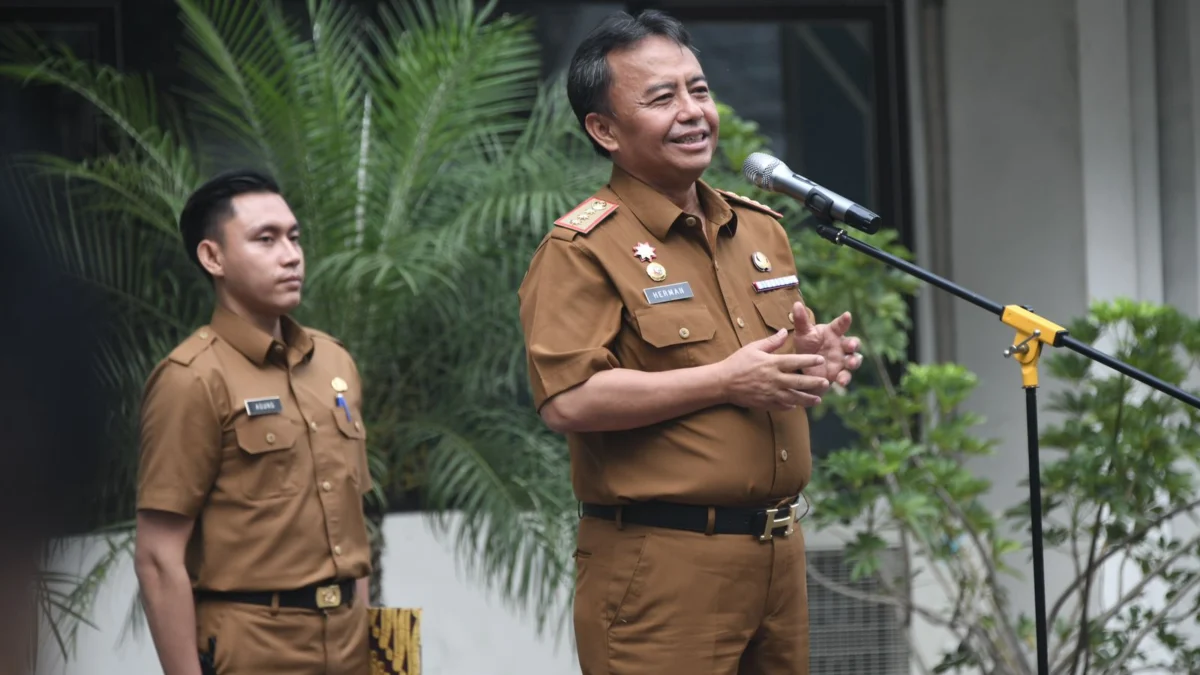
column 602, row 130
column 212, row 259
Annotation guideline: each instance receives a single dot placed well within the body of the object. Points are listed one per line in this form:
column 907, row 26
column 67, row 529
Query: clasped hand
column 757, row 377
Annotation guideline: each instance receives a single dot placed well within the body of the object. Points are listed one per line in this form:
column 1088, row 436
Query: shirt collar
column 658, row 214
column 257, row 345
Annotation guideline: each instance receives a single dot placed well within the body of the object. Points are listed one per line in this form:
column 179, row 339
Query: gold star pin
column 339, row 385
column 656, row 271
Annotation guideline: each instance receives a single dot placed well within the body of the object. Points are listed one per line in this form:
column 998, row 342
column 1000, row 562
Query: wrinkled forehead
column 651, row 61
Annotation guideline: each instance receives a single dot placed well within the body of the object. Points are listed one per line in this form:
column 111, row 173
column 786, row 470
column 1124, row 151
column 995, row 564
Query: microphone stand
column 1033, row 332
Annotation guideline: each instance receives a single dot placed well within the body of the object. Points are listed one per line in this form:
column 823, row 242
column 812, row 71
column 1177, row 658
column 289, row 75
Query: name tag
column 776, row 283
column 668, row 293
column 270, row 405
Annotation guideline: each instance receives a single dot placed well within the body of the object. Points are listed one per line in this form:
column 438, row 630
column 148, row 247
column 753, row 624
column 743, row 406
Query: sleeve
column 180, row 438
column 364, row 457
column 570, row 314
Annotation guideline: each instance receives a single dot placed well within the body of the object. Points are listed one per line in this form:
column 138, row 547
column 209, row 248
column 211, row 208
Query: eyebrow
column 259, row 229
column 655, row 88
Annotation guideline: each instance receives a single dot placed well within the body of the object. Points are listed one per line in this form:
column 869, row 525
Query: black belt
column 763, row 523
column 317, row 596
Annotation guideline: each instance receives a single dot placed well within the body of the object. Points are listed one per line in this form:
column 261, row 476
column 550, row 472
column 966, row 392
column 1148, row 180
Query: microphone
column 770, row 174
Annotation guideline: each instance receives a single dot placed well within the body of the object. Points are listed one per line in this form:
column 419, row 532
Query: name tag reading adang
column 669, row 293
column 270, row 405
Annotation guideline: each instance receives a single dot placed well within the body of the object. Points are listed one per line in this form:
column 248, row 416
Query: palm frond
column 127, row 103
column 517, row 520
column 443, row 77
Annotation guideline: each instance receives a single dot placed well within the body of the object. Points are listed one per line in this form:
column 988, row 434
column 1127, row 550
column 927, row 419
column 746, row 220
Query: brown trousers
column 259, row 640
column 665, row 602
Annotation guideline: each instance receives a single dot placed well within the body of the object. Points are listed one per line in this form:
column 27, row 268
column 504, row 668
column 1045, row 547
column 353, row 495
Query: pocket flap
column 667, row 326
column 354, row 428
column 257, row 435
column 776, row 312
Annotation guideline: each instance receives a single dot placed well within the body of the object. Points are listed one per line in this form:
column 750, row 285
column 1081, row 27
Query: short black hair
column 212, row 203
column 589, row 77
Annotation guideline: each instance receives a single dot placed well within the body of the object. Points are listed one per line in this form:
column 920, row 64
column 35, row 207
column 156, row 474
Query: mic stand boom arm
column 1033, row 332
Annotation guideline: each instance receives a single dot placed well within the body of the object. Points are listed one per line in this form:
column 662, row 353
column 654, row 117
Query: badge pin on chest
column 340, row 387
column 656, row 271
column 761, row 262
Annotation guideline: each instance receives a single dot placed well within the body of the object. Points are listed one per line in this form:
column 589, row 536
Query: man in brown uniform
column 657, row 316
column 251, row 541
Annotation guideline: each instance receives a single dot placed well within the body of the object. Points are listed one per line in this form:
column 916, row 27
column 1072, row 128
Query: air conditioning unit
column 852, row 636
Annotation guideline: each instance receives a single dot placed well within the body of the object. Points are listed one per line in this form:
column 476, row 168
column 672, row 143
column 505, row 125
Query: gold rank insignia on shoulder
column 587, row 215
column 761, row 261
column 746, row 201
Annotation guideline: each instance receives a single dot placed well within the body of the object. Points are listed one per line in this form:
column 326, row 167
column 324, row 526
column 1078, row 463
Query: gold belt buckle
column 774, row 523
column 329, row 597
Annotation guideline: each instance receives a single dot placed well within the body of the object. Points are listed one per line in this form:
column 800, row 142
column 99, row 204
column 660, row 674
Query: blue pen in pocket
column 339, row 385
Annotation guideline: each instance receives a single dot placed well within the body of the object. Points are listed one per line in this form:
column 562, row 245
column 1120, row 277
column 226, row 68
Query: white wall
column 1016, row 211
column 465, row 631
column 1073, row 175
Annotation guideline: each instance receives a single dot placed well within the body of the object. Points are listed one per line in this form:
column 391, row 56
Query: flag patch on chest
column 776, row 283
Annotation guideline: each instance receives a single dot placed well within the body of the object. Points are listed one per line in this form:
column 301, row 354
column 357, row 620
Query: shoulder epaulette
column 746, row 201
column 190, row 348
column 587, row 215
column 313, row 332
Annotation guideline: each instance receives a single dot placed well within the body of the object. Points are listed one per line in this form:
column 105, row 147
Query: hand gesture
column 755, row 377
column 828, row 340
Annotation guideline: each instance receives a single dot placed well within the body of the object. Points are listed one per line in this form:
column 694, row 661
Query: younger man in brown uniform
column 251, row 541
column 657, row 318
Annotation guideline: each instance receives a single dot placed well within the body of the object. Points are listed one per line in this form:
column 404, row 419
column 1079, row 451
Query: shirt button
column 684, row 333
column 791, row 318
column 313, row 425
column 783, row 455
column 278, row 348
column 691, row 220
column 326, row 486
column 204, row 335
column 357, row 425
column 337, row 550
column 741, row 324
column 270, row 438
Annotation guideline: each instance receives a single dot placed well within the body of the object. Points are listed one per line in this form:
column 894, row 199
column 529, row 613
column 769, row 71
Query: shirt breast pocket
column 775, row 308
column 679, row 336
column 265, row 462
column 352, row 443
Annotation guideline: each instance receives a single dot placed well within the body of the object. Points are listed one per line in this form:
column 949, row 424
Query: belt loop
column 274, row 604
column 620, row 524
column 712, row 522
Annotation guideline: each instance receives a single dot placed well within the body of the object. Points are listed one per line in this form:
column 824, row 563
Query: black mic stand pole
column 1033, row 332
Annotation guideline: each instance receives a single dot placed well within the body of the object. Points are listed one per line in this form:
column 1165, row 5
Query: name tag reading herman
column 671, row 292
column 270, row 405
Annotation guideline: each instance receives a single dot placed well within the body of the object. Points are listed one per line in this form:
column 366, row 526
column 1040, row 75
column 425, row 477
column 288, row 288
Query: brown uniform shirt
column 586, row 307
column 277, row 497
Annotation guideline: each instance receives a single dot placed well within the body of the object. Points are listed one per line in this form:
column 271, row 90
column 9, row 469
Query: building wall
column 1070, row 146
